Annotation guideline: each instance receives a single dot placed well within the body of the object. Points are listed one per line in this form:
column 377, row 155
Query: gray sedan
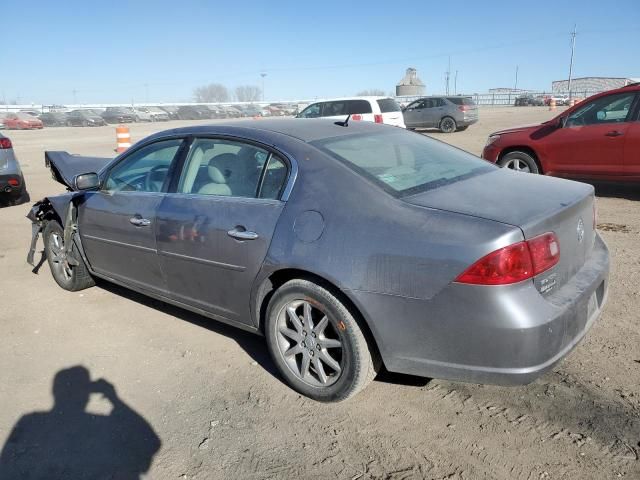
column 348, row 245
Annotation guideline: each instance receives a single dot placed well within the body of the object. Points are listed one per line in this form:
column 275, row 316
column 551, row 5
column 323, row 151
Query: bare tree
column 373, row 92
column 214, row 92
column 248, row 93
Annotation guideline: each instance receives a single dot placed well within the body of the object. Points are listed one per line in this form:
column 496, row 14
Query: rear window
column 388, row 105
column 461, row 100
column 403, row 163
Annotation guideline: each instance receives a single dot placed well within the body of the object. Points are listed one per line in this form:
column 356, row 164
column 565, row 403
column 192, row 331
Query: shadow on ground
column 68, row 442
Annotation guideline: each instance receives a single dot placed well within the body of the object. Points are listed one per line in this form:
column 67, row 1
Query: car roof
column 304, row 129
column 370, row 98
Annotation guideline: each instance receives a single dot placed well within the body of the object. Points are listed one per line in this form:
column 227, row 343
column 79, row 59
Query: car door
column 117, row 223
column 414, row 113
column 436, row 112
column 214, row 230
column 591, row 142
column 632, row 145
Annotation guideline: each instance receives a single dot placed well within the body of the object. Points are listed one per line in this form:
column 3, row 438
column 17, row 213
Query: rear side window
column 461, row 100
column 359, row 106
column 388, row 105
column 403, row 163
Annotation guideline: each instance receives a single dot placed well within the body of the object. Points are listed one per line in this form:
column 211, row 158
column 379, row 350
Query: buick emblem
column 580, row 230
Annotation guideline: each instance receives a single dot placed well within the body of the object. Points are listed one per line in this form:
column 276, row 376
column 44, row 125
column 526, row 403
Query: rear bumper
column 6, row 186
column 507, row 335
column 465, row 122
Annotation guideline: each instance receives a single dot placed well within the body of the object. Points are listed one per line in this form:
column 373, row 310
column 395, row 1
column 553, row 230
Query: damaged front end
column 62, row 208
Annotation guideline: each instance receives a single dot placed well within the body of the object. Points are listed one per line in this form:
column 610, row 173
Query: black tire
column 462, row 129
column 448, row 125
column 356, row 358
column 70, row 277
column 519, row 161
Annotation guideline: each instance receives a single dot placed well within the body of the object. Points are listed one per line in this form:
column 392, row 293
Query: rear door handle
column 613, row 133
column 242, row 234
column 140, row 222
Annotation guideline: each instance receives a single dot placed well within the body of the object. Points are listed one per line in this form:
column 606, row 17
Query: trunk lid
column 534, row 203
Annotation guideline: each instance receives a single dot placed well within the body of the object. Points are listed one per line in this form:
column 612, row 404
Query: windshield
column 403, row 163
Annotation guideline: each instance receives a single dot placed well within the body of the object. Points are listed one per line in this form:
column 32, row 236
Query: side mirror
column 562, row 121
column 86, row 181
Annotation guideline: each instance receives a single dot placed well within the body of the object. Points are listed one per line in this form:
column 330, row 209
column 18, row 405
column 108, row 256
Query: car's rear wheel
column 70, row 273
column 520, row 162
column 317, row 344
column 448, row 125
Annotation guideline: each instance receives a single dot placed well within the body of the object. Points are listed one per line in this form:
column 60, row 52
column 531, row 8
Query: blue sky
column 122, row 51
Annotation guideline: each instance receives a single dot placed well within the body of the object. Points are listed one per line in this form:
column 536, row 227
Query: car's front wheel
column 448, row 125
column 317, row 344
column 520, row 162
column 70, row 273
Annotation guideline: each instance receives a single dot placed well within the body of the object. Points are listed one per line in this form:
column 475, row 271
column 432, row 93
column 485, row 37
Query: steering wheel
column 154, row 177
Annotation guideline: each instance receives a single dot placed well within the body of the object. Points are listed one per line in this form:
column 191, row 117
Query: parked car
column 31, row 111
column 53, row 119
column 12, row 185
column 171, row 110
column 347, row 245
column 21, row 121
column 368, row 109
column 448, row 114
column 140, row 114
column 528, row 100
column 118, row 115
column 232, row 112
column 598, row 138
column 155, row 114
column 193, row 112
column 252, row 111
column 216, row 111
column 2, row 116
column 84, row 118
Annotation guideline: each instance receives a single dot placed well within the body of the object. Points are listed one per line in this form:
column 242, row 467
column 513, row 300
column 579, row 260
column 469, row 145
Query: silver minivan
column 447, row 113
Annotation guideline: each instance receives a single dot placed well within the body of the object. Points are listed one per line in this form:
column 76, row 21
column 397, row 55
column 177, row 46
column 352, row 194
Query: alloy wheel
column 309, row 343
column 518, row 165
column 60, row 264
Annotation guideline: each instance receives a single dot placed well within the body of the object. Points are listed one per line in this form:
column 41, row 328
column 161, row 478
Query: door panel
column 114, row 245
column 591, row 143
column 204, row 265
column 632, row 150
column 117, row 224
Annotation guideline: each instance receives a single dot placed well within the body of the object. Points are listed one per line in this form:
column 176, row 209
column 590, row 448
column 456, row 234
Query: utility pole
column 455, row 84
column 447, row 75
column 573, row 46
column 515, row 85
column 263, row 74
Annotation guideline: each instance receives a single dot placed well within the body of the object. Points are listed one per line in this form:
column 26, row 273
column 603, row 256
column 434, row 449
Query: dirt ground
column 219, row 410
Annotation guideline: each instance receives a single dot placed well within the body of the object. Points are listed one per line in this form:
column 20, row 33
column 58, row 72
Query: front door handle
column 140, row 222
column 613, row 133
column 242, row 234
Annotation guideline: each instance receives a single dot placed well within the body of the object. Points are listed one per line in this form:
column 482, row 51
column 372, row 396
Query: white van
column 367, row 109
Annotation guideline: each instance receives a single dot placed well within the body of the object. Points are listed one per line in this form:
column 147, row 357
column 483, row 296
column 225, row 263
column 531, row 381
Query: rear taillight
column 356, row 116
column 464, row 108
column 14, row 182
column 5, row 143
column 377, row 118
column 515, row 263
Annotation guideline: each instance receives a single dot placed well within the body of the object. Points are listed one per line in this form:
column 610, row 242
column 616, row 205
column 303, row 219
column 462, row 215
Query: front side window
column 334, row 109
column 144, row 170
column 231, row 169
column 312, row 111
column 609, row 109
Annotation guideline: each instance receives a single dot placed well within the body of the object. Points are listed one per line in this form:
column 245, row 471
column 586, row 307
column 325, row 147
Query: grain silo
column 410, row 85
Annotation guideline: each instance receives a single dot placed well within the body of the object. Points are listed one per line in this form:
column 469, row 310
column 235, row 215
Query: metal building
column 591, row 84
column 410, row 85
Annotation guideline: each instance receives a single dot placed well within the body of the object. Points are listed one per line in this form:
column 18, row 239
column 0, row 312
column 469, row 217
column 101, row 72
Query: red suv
column 598, row 138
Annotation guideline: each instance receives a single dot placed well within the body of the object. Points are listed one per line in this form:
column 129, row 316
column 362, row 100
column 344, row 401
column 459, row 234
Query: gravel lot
column 211, row 395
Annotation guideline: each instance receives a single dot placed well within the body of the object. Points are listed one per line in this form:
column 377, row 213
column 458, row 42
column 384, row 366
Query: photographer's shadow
column 68, row 442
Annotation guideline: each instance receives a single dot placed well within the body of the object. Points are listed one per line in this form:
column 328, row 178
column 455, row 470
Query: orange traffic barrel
column 552, row 104
column 123, row 138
